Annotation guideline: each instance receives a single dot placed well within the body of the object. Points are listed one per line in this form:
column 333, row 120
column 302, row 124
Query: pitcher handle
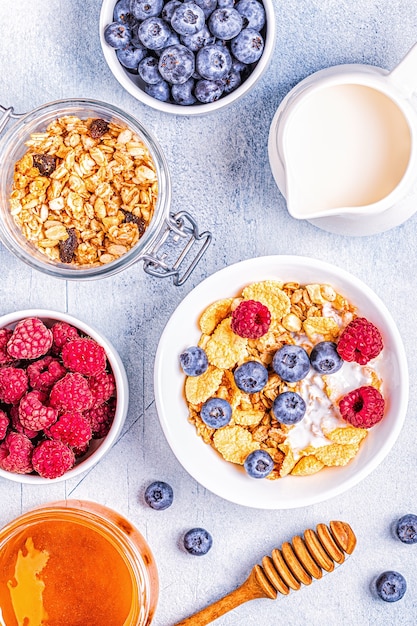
column 405, row 73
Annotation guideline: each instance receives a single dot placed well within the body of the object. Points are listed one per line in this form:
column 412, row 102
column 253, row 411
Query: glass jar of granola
column 86, row 192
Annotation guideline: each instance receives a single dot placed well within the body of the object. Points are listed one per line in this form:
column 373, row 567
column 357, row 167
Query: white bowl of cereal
column 63, row 396
column 318, row 455
column 86, row 192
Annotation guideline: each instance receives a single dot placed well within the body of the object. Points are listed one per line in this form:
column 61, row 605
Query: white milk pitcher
column 343, row 147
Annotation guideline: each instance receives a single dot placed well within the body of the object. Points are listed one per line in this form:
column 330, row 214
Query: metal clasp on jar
column 181, row 231
column 6, row 115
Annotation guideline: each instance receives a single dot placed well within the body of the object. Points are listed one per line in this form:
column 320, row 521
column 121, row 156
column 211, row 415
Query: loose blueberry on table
column 390, row 586
column 198, row 541
column 406, row 528
column 210, row 46
column 159, row 495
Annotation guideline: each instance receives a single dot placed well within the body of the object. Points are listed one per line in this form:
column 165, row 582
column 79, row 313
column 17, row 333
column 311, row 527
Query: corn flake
column 289, row 460
column 307, row 465
column 234, row 443
column 225, row 349
column 321, row 328
column 336, row 454
column 214, row 314
column 348, row 435
column 270, row 293
column 199, row 388
column 250, row 417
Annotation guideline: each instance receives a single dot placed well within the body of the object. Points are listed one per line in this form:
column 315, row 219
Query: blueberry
column 183, row 94
column 198, row 541
column 222, row 4
column 160, row 91
column 169, row 9
column 130, row 56
column 258, row 464
column 325, row 359
column 117, row 35
column 289, row 408
column 194, row 361
column 148, row 70
column 213, row 62
column 390, row 586
column 225, row 23
column 123, row 15
column 198, row 40
column 251, row 376
column 154, row 32
column 173, row 40
column 208, row 90
column 253, row 14
column 216, row 412
column 176, row 64
column 207, row 6
column 232, row 81
column 142, row 9
column 406, row 528
column 291, row 363
column 188, row 19
column 159, row 495
column 248, row 46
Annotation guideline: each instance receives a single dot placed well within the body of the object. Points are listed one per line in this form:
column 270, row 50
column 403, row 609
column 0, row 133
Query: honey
column 75, row 563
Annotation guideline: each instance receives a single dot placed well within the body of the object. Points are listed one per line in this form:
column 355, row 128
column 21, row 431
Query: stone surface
column 220, row 172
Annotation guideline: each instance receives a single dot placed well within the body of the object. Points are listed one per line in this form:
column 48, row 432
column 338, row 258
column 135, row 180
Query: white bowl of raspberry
column 188, row 58
column 63, row 396
column 226, row 414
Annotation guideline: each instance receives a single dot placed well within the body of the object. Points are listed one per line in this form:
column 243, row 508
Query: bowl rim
column 122, row 387
column 106, row 17
column 171, row 403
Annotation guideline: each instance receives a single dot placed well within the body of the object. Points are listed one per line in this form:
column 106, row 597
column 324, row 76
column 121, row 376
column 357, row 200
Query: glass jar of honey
column 75, row 563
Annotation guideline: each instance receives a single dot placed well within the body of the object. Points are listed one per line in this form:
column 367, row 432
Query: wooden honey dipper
column 294, row 564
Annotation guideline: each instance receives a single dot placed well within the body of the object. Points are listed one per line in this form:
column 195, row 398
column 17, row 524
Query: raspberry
column 71, row 428
column 5, row 334
column 30, row 339
column 13, row 384
column 362, row 407
column 35, row 415
column 102, row 387
column 43, row 374
column 4, row 424
column 16, row 453
column 18, row 427
column 251, row 319
column 71, row 393
column 101, row 418
column 62, row 332
column 51, row 459
column 85, row 356
column 360, row 341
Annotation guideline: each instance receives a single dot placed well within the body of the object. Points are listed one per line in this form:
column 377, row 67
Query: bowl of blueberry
column 187, row 57
column 63, row 396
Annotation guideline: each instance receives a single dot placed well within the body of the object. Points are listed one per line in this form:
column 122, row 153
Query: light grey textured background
column 50, row 49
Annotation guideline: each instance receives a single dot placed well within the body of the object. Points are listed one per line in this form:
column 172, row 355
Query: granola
column 85, row 191
column 301, row 315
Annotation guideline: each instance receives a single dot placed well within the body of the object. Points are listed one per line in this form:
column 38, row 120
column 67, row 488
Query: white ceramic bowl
column 201, row 460
column 133, row 84
column 98, row 447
